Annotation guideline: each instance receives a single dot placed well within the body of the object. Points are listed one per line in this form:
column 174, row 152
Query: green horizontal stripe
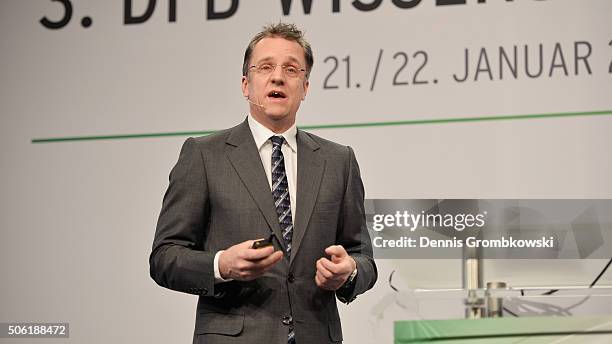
column 334, row 126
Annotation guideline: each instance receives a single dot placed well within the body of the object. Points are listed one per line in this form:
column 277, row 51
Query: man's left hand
column 331, row 274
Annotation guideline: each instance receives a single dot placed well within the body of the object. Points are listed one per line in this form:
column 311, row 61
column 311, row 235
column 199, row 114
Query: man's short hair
column 283, row 30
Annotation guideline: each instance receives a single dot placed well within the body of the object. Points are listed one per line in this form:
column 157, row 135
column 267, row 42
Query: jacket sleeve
column 178, row 260
column 352, row 234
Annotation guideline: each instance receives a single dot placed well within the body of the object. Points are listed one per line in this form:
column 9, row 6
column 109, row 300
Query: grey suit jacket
column 218, row 196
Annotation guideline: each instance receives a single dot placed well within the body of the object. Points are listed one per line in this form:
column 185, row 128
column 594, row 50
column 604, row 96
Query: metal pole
column 472, row 280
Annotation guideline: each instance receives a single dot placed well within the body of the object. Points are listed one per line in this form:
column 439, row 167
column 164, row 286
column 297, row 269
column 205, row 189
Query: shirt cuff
column 218, row 278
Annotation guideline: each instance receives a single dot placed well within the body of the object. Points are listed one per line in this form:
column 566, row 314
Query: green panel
column 500, row 330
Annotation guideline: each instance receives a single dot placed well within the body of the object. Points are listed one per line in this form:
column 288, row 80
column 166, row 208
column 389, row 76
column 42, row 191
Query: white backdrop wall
column 78, row 216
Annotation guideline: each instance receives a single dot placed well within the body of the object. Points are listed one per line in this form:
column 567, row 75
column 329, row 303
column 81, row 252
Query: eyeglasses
column 267, row 68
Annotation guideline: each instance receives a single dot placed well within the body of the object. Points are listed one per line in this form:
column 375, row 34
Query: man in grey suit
column 266, row 179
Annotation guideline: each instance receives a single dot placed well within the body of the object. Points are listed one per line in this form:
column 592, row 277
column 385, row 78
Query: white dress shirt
column 262, row 135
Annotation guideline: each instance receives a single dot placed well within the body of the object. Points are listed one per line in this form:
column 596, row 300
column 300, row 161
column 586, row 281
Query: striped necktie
column 280, row 192
column 282, row 202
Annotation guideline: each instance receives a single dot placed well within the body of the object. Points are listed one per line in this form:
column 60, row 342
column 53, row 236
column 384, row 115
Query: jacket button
column 291, row 278
column 287, row 320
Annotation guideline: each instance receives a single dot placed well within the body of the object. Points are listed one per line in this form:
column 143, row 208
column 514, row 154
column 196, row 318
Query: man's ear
column 245, row 86
column 306, row 84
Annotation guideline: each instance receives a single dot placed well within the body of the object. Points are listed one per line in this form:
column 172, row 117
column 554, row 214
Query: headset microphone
column 259, row 105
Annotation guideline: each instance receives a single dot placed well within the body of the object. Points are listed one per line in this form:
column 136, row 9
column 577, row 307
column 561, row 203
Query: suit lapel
column 245, row 159
column 310, row 172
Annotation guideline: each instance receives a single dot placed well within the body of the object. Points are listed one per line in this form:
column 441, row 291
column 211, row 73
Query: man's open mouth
column 277, row 95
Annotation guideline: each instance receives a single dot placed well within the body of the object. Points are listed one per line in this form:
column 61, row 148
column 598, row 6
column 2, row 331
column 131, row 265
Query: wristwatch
column 351, row 279
column 347, row 288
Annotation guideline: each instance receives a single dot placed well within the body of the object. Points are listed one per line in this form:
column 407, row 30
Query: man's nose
column 278, row 76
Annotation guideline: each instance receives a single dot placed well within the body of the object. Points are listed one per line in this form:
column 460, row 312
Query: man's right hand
column 243, row 263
